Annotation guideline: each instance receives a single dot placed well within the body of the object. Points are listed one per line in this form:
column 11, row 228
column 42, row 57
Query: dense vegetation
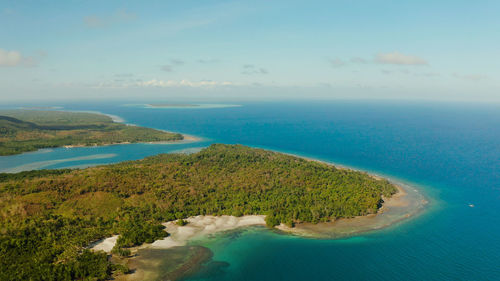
column 48, row 217
column 29, row 130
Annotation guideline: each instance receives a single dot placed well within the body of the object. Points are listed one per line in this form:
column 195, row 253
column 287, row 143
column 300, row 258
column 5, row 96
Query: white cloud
column 123, row 15
column 177, row 62
column 119, row 16
column 173, row 63
column 155, row 83
column 382, row 58
column 469, row 77
column 94, row 21
column 167, row 68
column 408, row 72
column 428, row 74
column 358, row 60
column 182, row 83
column 15, row 58
column 208, row 61
column 400, row 59
column 336, row 62
column 250, row 69
column 10, row 58
column 124, row 75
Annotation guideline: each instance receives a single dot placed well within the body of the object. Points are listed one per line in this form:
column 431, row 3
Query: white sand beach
column 405, row 203
column 198, row 226
column 105, row 245
column 202, row 226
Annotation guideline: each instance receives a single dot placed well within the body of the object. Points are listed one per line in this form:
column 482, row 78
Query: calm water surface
column 450, row 151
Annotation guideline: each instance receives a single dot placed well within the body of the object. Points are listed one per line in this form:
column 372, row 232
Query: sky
column 250, row 50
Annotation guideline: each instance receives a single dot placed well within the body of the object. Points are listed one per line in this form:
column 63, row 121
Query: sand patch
column 200, row 226
column 43, row 164
column 105, row 245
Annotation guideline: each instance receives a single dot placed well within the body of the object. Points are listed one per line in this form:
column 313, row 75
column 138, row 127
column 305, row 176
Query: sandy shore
column 105, row 245
column 115, row 118
column 188, row 106
column 185, row 256
column 200, row 226
column 42, row 164
column 407, row 202
column 191, row 138
column 118, row 119
column 180, row 255
column 171, row 258
column 197, row 227
column 187, row 139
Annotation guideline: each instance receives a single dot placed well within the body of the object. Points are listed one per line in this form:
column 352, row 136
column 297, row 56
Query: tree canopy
column 29, row 130
column 48, row 217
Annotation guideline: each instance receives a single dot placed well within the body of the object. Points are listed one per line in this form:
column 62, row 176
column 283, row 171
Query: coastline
column 205, row 225
column 114, row 118
column 405, row 203
column 189, row 239
column 187, row 139
column 42, row 164
column 189, row 106
column 117, row 119
column 202, row 226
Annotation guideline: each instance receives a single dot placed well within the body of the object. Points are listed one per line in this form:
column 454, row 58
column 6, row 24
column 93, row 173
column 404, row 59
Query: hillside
column 30, row 130
column 48, row 216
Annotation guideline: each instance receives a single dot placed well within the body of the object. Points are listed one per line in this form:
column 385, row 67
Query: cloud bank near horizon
column 399, row 59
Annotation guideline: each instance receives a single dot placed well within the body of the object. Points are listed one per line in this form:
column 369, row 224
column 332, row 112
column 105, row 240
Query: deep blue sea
column 451, row 151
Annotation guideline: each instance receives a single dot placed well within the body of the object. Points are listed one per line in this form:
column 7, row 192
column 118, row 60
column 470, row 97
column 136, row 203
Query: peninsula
column 49, row 217
column 30, row 130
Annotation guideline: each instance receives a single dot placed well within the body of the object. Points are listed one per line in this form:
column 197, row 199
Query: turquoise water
column 450, row 151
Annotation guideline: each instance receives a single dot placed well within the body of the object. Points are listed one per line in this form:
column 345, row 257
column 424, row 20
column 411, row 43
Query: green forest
column 29, row 130
column 48, row 217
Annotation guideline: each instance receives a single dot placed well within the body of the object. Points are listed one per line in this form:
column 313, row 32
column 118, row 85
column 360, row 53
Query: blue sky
column 442, row 50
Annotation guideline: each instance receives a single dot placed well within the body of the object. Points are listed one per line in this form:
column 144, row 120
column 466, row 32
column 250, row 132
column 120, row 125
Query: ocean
column 449, row 151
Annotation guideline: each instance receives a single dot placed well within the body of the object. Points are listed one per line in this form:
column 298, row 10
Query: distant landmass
column 172, row 105
column 182, row 105
column 30, row 130
column 48, row 218
column 41, row 107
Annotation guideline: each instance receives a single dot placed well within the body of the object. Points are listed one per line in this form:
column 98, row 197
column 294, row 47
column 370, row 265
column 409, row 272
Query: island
column 30, row 130
column 171, row 105
column 48, row 218
column 184, row 105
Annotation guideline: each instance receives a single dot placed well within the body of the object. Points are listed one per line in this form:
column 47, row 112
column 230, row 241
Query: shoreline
column 114, row 118
column 205, row 225
column 117, row 119
column 189, row 106
column 193, row 236
column 42, row 164
column 187, row 139
column 407, row 202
